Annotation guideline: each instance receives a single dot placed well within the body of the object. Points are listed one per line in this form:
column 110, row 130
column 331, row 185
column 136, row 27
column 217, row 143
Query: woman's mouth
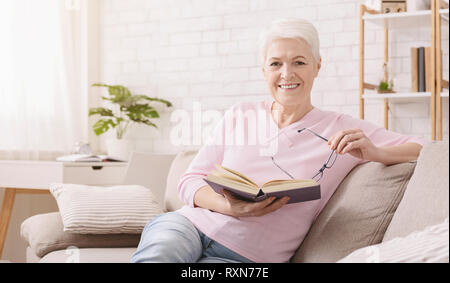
column 288, row 87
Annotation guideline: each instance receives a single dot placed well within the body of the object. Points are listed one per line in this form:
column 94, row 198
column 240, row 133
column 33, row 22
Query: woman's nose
column 286, row 72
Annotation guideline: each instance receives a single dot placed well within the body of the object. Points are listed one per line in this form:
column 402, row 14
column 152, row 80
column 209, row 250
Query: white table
column 34, row 177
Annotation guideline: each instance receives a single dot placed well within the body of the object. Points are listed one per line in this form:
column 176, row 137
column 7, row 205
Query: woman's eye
column 275, row 64
column 299, row 63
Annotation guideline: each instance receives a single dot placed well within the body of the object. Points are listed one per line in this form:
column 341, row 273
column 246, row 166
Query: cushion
column 43, row 241
column 357, row 214
column 426, row 199
column 105, row 210
column 427, row 246
column 177, row 170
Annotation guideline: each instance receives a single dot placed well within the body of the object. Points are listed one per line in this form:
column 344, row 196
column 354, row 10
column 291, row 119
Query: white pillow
column 429, row 245
column 105, row 210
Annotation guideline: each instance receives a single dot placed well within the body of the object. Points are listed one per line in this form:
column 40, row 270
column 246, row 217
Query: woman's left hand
column 354, row 142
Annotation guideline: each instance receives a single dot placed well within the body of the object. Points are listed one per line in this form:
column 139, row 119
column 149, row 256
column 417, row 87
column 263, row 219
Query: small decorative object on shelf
column 82, row 148
column 386, row 85
column 390, row 6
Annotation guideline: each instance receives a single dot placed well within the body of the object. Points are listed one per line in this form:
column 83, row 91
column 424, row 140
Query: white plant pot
column 119, row 149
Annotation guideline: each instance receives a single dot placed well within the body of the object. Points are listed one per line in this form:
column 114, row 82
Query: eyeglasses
column 328, row 164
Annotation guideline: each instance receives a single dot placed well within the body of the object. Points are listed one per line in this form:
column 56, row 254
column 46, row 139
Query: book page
column 237, row 185
column 233, row 175
column 282, row 185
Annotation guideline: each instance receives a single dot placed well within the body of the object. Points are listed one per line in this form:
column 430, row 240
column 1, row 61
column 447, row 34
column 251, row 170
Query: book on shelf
column 414, row 69
column 87, row 158
column 421, row 69
column 428, row 74
column 223, row 178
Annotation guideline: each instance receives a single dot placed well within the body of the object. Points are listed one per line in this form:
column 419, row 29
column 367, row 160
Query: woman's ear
column 318, row 66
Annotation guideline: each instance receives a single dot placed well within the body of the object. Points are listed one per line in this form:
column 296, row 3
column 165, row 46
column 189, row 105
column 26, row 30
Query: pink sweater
column 273, row 237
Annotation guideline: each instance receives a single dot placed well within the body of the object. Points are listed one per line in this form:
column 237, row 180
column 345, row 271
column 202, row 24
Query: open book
column 223, row 178
column 86, row 158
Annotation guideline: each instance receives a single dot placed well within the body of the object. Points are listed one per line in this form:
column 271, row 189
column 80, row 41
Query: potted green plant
column 127, row 109
column 386, row 85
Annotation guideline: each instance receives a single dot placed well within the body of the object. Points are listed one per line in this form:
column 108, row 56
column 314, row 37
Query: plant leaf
column 101, row 111
column 103, row 125
column 166, row 102
column 139, row 111
column 146, row 122
column 118, row 93
column 383, row 86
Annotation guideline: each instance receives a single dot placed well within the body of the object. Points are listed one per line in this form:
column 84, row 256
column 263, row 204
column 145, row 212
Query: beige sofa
column 373, row 204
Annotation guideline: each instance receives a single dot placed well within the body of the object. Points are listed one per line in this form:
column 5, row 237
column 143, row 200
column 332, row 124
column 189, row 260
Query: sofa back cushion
column 142, row 171
column 425, row 201
column 357, row 214
column 179, row 166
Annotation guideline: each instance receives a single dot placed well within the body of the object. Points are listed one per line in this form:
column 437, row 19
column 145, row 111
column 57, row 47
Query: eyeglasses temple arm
column 301, row 130
column 290, row 176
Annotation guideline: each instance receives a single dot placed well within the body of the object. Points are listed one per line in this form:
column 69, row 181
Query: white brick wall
column 205, row 51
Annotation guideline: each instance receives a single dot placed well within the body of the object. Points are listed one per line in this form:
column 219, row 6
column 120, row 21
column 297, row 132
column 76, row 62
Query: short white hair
column 290, row 28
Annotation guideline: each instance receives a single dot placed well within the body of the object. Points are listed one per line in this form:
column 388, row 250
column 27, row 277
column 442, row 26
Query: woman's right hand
column 241, row 208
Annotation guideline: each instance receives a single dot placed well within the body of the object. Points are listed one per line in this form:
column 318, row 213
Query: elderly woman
column 221, row 228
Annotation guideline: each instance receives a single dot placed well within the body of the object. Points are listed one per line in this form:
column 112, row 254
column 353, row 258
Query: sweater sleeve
column 378, row 135
column 204, row 162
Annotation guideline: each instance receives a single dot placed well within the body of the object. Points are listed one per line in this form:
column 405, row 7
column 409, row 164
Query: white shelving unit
column 435, row 15
column 404, row 96
column 379, row 18
column 444, row 14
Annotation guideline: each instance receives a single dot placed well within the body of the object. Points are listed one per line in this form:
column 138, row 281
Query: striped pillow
column 429, row 245
column 105, row 210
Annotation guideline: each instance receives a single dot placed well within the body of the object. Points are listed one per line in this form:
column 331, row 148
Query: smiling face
column 290, row 70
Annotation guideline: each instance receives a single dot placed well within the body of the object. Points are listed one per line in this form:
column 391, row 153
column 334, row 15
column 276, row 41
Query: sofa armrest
column 44, row 233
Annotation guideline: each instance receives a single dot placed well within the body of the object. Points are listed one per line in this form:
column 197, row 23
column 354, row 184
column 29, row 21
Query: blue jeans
column 171, row 237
